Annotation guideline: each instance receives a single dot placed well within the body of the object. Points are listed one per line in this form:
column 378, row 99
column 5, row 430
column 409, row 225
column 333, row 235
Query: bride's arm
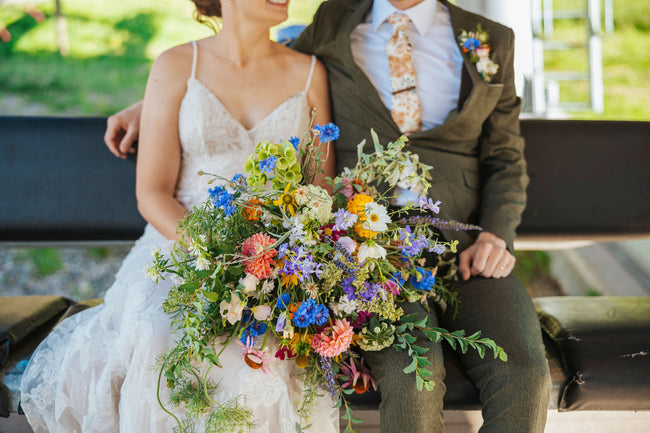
column 159, row 151
column 319, row 99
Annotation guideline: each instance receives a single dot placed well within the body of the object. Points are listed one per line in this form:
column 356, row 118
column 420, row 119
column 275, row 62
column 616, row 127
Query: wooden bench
column 589, row 181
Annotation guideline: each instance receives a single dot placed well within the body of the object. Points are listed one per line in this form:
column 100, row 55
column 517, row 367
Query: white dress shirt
column 436, row 57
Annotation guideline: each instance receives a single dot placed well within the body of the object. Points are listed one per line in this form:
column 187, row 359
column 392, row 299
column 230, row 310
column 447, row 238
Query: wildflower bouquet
column 296, row 274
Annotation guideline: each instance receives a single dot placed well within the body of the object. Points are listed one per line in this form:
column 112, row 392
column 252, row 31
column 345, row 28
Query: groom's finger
column 464, row 261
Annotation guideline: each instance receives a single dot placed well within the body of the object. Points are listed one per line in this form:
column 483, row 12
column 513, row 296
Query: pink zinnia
column 333, row 341
column 260, row 259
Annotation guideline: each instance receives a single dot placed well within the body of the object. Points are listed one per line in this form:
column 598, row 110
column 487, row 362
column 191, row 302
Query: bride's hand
column 122, row 129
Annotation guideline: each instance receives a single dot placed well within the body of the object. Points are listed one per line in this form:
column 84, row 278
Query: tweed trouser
column 514, row 394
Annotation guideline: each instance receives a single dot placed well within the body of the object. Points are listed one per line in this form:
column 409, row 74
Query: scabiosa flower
column 344, row 219
column 333, row 341
column 259, row 256
column 295, row 141
column 238, row 179
column 268, row 165
column 426, row 280
column 327, row 133
column 369, row 291
column 348, row 243
column 376, row 217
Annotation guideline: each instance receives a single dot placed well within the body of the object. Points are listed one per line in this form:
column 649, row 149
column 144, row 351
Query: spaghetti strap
column 311, row 72
column 194, row 56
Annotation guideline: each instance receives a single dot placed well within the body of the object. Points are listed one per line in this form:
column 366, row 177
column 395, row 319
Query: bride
column 207, row 104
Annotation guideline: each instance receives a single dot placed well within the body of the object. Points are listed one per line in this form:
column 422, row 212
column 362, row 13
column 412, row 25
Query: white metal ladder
column 545, row 88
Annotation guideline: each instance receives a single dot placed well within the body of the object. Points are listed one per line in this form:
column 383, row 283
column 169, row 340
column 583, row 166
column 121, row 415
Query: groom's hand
column 122, row 130
column 487, row 257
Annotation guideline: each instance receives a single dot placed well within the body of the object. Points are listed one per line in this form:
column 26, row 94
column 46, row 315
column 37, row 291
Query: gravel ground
column 83, row 275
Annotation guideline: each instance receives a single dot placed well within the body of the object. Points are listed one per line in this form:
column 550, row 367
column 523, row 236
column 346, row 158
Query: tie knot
column 398, row 20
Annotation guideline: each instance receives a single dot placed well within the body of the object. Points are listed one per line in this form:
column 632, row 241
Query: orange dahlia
column 333, row 340
column 259, row 256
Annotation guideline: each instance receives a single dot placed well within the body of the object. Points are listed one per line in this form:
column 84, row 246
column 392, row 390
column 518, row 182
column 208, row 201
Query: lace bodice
column 213, row 141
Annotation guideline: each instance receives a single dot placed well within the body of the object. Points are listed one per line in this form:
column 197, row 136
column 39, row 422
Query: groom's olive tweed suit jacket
column 479, row 171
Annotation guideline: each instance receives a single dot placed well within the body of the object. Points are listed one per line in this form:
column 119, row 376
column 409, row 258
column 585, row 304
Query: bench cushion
column 605, row 348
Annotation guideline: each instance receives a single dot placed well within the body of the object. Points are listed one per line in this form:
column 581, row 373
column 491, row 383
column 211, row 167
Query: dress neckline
column 231, row 117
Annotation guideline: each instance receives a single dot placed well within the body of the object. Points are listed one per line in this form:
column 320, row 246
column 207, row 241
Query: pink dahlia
column 259, row 256
column 333, row 341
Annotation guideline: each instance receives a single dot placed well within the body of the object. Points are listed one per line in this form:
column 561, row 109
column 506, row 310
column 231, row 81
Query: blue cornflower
column 427, row 281
column 283, row 301
column 295, row 141
column 268, row 165
column 302, row 320
column 471, row 44
column 321, row 315
column 304, row 315
column 255, row 329
column 327, row 133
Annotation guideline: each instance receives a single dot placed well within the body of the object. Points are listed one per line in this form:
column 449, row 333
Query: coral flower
column 333, row 341
column 259, row 256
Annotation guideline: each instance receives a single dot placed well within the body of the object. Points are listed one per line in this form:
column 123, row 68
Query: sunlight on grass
column 112, row 47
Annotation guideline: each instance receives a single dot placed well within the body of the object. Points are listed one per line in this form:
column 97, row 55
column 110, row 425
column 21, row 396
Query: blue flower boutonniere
column 475, row 43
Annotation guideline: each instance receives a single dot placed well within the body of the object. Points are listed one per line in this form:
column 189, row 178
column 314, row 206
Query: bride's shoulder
column 295, row 60
column 175, row 63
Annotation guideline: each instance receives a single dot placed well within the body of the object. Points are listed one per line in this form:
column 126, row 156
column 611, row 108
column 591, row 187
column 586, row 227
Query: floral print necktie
column 405, row 109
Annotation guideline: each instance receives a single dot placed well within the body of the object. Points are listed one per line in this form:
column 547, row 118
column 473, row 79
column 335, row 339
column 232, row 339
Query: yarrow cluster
column 298, row 273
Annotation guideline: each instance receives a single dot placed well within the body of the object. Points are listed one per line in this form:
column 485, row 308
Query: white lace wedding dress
column 94, row 372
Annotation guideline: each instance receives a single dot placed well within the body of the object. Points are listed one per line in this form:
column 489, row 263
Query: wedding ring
column 502, row 268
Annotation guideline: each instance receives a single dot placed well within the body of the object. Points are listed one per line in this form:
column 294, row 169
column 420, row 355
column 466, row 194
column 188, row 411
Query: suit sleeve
column 501, row 161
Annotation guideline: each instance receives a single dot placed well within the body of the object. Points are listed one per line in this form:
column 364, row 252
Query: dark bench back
column 589, row 180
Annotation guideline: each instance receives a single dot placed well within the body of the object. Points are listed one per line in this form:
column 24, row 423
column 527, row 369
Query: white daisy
column 376, row 217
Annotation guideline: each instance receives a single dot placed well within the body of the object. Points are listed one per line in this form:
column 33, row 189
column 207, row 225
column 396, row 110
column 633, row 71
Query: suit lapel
column 472, row 84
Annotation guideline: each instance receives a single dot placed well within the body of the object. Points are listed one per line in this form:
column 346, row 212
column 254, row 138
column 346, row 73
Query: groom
column 396, row 66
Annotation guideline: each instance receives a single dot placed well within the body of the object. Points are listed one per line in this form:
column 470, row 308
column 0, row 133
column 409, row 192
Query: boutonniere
column 476, row 44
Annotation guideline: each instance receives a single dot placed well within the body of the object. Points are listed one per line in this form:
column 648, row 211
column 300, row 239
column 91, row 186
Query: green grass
column 626, row 63
column 111, row 50
column 46, row 261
